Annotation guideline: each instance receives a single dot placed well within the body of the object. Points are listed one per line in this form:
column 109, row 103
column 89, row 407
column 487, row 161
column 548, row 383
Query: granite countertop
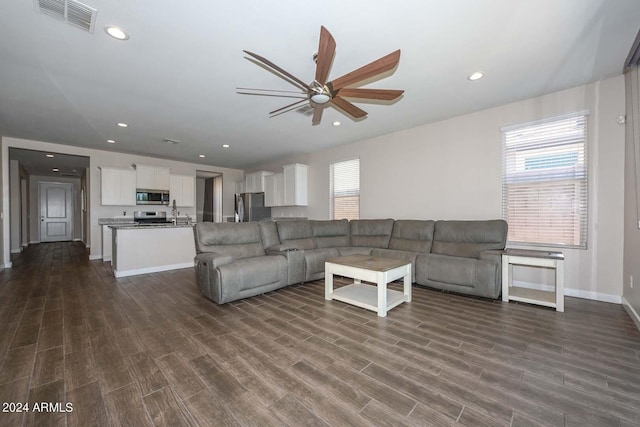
column 132, row 226
column 110, row 221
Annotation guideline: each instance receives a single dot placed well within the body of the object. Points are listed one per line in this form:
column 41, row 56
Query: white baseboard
column 77, row 240
column 632, row 312
column 153, row 269
column 24, row 245
column 34, row 242
column 16, row 251
column 7, row 265
column 569, row 292
column 95, row 257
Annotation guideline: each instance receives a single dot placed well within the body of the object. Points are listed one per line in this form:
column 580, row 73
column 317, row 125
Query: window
column 345, row 189
column 544, row 182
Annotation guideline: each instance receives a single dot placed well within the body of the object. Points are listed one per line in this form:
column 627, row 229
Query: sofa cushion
column 297, row 234
column 451, row 269
column 371, row 233
column 412, row 236
column 468, row 238
column 331, row 234
column 353, row 250
column 238, row 240
column 269, row 232
column 314, row 261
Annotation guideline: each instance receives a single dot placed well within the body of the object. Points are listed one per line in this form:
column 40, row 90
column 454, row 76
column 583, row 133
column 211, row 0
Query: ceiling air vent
column 70, row 11
column 305, row 109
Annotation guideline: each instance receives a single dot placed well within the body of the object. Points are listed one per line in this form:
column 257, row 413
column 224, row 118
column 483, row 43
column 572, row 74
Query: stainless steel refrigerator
column 250, row 207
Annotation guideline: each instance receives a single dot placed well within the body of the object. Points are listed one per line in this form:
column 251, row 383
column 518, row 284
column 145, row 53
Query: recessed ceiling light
column 123, row 125
column 202, row 156
column 116, row 32
column 337, row 123
column 55, row 169
column 111, row 141
column 50, row 155
column 225, row 145
column 476, row 76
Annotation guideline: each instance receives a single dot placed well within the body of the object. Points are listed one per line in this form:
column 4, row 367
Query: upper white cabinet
column 295, row 185
column 152, row 177
column 287, row 188
column 274, row 190
column 254, row 182
column 182, row 189
column 118, row 187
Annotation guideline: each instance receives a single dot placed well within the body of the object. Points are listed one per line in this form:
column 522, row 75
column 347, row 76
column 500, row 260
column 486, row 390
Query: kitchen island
column 142, row 249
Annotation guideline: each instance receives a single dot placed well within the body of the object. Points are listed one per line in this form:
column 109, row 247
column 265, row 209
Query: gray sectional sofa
column 239, row 260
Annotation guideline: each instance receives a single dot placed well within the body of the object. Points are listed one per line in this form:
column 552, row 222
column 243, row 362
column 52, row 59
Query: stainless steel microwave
column 152, row 197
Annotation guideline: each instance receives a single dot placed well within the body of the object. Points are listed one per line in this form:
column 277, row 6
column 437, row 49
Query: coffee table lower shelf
column 366, row 296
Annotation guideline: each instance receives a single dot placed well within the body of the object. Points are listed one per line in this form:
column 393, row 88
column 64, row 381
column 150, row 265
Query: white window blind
column 345, row 189
column 544, row 182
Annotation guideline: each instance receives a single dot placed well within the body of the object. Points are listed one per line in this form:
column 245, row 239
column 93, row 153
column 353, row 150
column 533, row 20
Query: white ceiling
column 176, row 75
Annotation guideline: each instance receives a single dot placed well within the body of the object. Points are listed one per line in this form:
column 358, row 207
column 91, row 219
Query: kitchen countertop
column 148, row 226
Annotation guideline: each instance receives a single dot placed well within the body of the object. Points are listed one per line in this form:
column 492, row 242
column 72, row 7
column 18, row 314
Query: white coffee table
column 377, row 270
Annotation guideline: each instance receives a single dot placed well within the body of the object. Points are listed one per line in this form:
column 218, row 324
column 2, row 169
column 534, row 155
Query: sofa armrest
column 213, row 259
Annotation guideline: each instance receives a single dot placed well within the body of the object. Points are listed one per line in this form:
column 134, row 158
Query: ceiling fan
column 321, row 92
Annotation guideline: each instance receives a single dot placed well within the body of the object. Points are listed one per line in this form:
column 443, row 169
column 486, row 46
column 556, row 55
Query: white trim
column 95, row 257
column 153, row 269
column 516, row 126
column 577, row 293
column 24, row 245
column 34, row 242
column 16, row 251
column 77, row 240
column 632, row 312
column 7, row 265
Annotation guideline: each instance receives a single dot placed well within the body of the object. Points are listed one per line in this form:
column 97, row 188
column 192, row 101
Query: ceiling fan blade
column 278, row 69
column 317, row 114
column 302, row 96
column 348, row 108
column 326, row 51
column 271, row 90
column 287, row 106
column 381, row 94
column 372, row 69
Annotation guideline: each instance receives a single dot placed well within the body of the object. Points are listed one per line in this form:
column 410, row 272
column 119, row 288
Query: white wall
column 632, row 202
column 14, row 211
column 453, row 170
column 106, row 158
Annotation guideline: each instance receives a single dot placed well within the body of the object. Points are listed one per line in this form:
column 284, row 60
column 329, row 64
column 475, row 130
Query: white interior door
column 56, row 212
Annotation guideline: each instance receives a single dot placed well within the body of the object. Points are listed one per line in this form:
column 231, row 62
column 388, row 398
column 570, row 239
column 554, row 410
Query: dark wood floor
column 150, row 350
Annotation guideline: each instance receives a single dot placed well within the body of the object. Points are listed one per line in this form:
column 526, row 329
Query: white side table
column 531, row 258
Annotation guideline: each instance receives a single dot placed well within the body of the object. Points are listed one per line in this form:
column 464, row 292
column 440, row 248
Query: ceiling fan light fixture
column 320, row 98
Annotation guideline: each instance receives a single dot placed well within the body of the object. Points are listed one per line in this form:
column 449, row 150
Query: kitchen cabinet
column 118, row 187
column 287, row 188
column 295, row 185
column 182, row 190
column 254, row 182
column 152, row 177
column 274, row 190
